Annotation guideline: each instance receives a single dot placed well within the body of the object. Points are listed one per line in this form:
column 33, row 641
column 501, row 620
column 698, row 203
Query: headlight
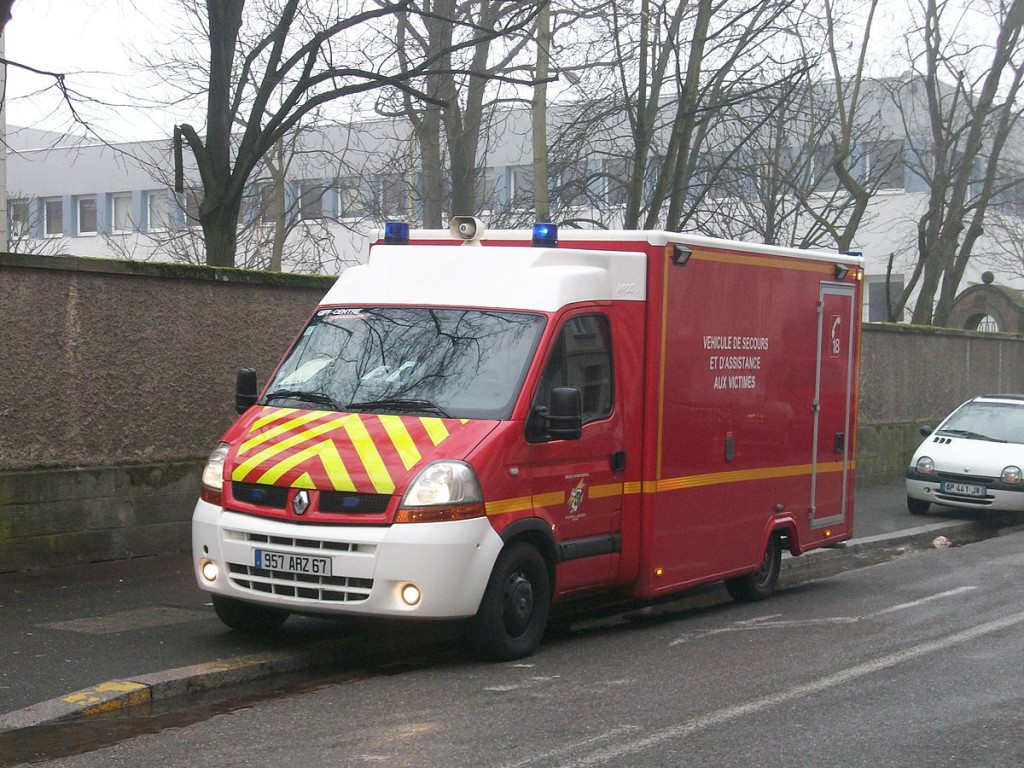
column 445, row 490
column 213, row 474
column 925, row 465
column 1010, row 475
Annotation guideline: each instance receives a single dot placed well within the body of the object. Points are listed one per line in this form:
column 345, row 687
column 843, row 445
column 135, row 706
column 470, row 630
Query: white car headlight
column 925, row 465
column 1011, row 475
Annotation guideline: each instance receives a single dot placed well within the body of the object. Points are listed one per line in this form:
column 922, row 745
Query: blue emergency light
column 396, row 233
column 545, row 235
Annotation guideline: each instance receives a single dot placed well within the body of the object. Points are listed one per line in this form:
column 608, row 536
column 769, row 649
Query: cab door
column 578, row 484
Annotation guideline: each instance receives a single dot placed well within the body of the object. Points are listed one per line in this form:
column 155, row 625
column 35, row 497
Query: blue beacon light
column 396, row 233
column 545, row 235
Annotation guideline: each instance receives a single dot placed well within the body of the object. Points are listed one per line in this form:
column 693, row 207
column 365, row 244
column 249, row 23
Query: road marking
column 768, row 622
column 636, row 745
column 123, row 621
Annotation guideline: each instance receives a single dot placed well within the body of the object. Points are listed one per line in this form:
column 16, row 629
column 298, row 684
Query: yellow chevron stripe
column 376, row 470
column 402, row 440
column 287, row 426
column 254, row 461
column 436, row 430
column 304, row 481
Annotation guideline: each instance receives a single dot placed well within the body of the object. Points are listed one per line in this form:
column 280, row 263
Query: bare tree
column 270, row 66
column 971, row 93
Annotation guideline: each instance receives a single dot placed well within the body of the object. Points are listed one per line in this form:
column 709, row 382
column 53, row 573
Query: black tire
column 760, row 584
column 247, row 617
column 918, row 506
column 514, row 610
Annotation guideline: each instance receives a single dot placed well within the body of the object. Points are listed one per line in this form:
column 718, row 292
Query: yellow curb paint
column 105, row 697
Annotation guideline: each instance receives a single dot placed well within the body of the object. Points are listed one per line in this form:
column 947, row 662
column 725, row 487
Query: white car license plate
column 963, row 489
column 281, row 561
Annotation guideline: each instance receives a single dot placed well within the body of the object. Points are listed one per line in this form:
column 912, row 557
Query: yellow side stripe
column 524, row 503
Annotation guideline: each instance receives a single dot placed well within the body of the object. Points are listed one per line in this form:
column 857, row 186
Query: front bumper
column 450, row 563
column 998, row 496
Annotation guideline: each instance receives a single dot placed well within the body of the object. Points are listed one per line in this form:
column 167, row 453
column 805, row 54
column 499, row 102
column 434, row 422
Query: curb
column 144, row 690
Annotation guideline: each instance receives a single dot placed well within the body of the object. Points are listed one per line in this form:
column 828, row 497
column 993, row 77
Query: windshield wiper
column 970, row 435
column 399, row 405
column 319, row 398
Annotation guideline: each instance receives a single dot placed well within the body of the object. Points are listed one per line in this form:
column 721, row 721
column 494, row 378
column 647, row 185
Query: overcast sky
column 91, row 41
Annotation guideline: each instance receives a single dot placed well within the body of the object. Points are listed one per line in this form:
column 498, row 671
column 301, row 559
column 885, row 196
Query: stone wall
column 117, row 378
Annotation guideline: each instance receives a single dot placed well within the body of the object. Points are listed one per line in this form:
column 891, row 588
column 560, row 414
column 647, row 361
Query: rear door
column 833, row 405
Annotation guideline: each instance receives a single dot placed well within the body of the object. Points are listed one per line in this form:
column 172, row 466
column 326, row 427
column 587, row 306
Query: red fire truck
column 480, row 425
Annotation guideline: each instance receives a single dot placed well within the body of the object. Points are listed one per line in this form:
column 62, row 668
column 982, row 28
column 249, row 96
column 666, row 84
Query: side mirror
column 560, row 419
column 926, row 430
column 246, row 390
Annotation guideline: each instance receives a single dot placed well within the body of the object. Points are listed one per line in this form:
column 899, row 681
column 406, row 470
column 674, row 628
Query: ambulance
column 480, row 425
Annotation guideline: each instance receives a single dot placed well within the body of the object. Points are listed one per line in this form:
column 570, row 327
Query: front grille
column 324, row 589
column 354, row 503
column 316, row 589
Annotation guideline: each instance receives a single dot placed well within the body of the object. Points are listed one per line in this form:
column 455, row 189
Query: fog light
column 208, row 570
column 410, row 594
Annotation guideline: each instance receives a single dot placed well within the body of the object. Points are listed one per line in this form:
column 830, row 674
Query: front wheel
column 760, row 584
column 514, row 609
column 917, row 506
column 247, row 617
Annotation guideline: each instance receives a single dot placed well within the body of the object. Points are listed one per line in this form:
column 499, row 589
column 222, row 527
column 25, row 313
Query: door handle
column 618, row 461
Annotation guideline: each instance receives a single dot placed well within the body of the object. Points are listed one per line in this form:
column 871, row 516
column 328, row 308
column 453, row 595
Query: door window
column 582, row 357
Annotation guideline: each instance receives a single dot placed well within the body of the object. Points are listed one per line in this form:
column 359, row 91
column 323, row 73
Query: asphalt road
column 65, row 634
column 914, row 662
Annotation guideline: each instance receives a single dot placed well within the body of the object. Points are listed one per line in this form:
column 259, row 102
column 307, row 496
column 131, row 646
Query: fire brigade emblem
column 576, row 498
column 300, row 502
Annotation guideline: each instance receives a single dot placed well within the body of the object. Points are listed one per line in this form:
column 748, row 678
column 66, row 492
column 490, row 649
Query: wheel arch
column 537, row 533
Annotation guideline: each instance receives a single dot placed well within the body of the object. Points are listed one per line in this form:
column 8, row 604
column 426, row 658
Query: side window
column 582, row 357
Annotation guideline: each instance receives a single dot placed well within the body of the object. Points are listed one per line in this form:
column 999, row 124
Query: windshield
column 999, row 422
column 458, row 363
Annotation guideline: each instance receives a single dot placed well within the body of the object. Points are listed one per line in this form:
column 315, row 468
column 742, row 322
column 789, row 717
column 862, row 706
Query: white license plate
column 963, row 489
column 283, row 561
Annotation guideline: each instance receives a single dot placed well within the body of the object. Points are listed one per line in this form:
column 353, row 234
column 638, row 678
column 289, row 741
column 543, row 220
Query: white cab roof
column 543, row 279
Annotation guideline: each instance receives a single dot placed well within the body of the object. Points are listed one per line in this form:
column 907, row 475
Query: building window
column 270, row 201
column 193, row 197
column 121, row 213
column 617, row 178
column 19, row 219
column 53, row 217
column 886, row 163
column 571, row 184
column 156, row 211
column 352, row 197
column 311, row 200
column 87, row 216
column 393, row 196
column 521, row 186
column 880, row 297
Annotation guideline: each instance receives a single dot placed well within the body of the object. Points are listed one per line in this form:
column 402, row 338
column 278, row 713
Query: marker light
column 396, row 233
column 545, row 235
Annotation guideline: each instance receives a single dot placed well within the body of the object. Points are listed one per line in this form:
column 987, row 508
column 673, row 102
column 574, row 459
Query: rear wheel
column 246, row 617
column 917, row 506
column 760, row 584
column 515, row 605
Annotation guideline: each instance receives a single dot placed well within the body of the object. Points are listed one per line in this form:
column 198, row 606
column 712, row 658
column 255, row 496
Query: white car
column 973, row 459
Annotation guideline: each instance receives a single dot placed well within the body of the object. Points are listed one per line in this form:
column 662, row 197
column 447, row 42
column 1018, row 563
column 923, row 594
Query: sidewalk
column 78, row 641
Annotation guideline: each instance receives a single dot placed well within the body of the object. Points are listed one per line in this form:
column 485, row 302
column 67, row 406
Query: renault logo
column 300, row 502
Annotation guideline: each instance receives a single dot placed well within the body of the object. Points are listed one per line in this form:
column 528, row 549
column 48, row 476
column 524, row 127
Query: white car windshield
column 998, row 422
column 458, row 363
